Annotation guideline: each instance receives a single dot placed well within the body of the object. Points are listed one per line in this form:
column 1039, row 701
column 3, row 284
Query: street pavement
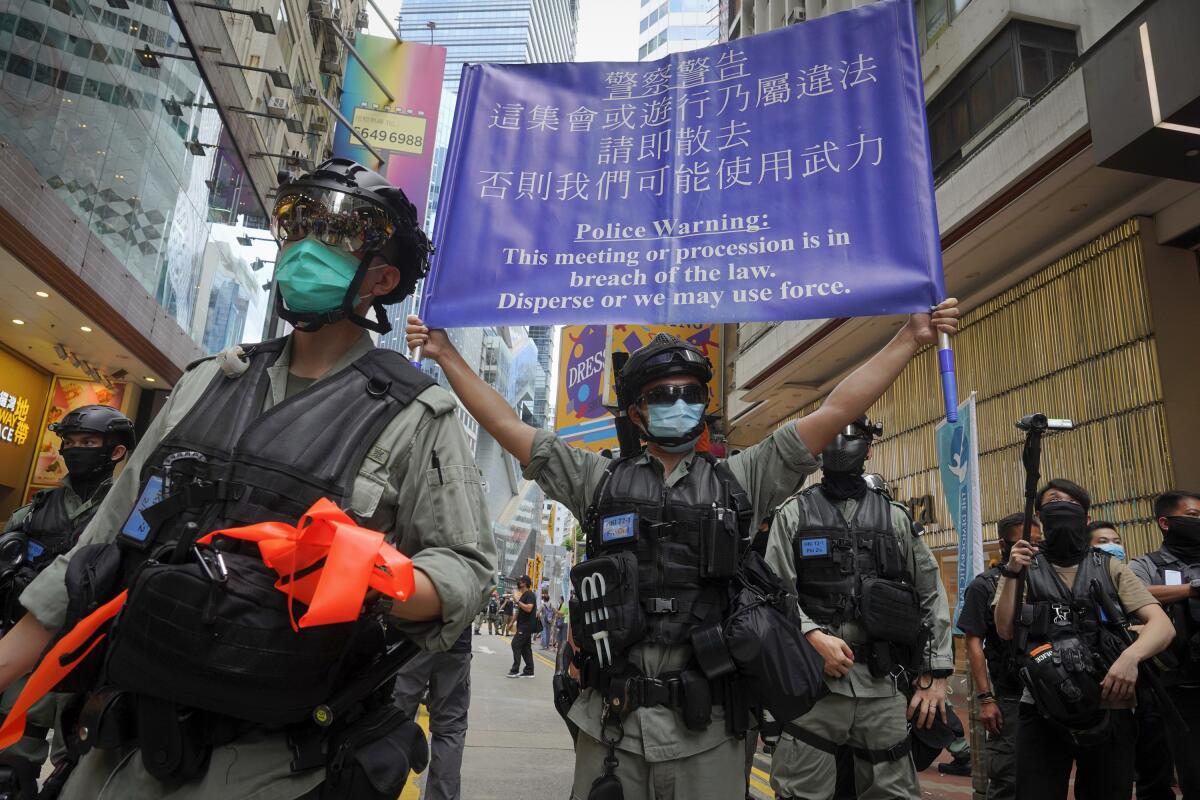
column 518, row 747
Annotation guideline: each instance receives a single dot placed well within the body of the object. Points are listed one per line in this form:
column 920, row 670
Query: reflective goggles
column 670, row 356
column 669, row 393
column 333, row 218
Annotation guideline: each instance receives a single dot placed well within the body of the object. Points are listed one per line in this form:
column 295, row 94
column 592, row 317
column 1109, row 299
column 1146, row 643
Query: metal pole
column 386, row 22
column 350, row 46
column 350, row 127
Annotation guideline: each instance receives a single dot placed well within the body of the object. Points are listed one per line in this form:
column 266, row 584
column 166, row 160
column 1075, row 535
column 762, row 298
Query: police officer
column 444, row 681
column 993, row 665
column 261, row 433
column 94, row 439
column 655, row 518
column 873, row 606
column 1079, row 678
column 1172, row 574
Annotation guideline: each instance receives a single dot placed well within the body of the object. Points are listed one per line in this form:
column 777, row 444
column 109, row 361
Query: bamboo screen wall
column 1074, row 340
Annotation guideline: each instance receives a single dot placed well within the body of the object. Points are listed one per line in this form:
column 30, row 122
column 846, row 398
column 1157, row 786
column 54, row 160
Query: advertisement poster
column 580, row 416
column 68, row 394
column 627, row 338
column 751, row 180
column 402, row 132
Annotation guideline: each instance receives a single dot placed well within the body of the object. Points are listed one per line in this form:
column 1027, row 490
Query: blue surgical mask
column 1113, row 549
column 677, row 419
column 314, row 277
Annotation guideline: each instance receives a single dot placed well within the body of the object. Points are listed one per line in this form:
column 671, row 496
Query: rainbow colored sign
column 402, row 132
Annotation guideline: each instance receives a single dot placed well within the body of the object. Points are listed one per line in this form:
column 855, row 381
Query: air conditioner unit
column 278, row 106
column 330, row 66
column 797, row 14
column 318, row 124
column 319, row 7
column 363, row 20
column 306, row 95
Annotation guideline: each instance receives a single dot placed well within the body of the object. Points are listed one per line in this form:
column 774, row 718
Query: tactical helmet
column 115, row 427
column 663, row 357
column 406, row 247
column 848, row 451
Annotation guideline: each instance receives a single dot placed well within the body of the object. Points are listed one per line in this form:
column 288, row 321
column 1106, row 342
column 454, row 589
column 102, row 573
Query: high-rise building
column 141, row 145
column 1066, row 165
column 543, row 337
column 675, row 26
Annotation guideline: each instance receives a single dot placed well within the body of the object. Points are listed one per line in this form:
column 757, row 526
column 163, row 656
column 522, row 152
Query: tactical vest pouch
column 889, row 563
column 93, row 578
column 223, row 642
column 1061, row 678
column 606, row 612
column 891, row 611
column 371, row 759
column 779, row 668
column 719, row 545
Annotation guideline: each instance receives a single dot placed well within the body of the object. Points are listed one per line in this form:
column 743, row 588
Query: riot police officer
column 1172, row 574
column 874, row 608
column 1079, row 676
column 94, row 439
column 262, row 433
column 662, row 526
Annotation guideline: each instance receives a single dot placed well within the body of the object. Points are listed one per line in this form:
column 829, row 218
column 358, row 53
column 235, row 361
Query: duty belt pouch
column 606, row 612
column 718, row 545
column 697, row 700
column 371, row 758
column 891, row 612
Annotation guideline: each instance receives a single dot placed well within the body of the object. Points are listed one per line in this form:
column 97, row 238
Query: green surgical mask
column 314, row 277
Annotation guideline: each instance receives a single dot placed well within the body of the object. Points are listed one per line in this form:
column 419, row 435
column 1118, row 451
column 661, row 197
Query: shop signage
column 14, row 414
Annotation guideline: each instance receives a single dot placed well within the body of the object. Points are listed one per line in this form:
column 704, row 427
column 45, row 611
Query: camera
column 1040, row 422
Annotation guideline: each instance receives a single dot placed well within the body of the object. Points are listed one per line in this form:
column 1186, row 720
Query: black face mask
column 841, row 486
column 1066, row 540
column 1182, row 538
column 88, row 464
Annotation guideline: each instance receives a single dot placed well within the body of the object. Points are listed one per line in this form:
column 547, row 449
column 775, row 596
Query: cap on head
column 115, row 427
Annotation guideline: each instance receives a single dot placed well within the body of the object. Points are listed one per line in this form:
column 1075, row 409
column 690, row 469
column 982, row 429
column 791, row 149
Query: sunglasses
column 333, row 218
column 668, row 394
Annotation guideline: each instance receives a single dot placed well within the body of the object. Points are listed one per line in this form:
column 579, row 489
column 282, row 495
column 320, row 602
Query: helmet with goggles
column 848, row 450
column 108, row 422
column 358, row 212
column 664, row 357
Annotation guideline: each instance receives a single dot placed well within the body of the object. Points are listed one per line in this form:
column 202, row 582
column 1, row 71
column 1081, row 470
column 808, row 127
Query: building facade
column 1075, row 275
column 676, row 26
column 140, row 146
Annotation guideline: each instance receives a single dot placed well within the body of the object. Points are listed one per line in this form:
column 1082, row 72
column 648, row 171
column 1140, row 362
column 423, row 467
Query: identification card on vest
column 136, row 528
column 814, row 548
column 619, row 528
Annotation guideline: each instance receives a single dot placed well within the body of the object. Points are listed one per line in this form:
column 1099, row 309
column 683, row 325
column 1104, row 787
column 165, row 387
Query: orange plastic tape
column 326, row 562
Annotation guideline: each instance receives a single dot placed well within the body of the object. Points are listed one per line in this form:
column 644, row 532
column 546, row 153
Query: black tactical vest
column 674, row 553
column 999, row 653
column 1185, row 616
column 833, row 557
column 1053, row 612
column 51, row 526
column 227, row 463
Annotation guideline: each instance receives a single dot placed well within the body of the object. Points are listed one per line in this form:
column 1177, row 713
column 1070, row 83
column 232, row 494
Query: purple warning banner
column 783, row 176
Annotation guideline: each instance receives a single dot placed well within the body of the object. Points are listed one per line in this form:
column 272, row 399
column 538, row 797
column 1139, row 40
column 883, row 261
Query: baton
column 949, row 382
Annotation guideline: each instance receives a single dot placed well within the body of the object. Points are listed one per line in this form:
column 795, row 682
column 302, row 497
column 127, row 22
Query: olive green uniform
column 862, row 710
column 44, row 714
column 437, row 516
column 659, row 756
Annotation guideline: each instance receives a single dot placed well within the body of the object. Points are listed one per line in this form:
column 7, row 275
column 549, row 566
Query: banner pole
column 949, row 381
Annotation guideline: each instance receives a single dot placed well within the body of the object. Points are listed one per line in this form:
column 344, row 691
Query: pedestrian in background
column 994, row 667
column 561, row 617
column 506, row 615
column 444, row 680
column 546, row 613
column 525, row 603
